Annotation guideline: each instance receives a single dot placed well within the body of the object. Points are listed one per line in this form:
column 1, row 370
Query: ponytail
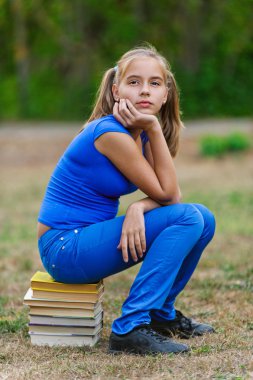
column 104, row 100
column 170, row 117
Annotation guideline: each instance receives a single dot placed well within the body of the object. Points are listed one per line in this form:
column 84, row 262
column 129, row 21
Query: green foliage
column 53, row 53
column 237, row 141
column 216, row 145
column 212, row 145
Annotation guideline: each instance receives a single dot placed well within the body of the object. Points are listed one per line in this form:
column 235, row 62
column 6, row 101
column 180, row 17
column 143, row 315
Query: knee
column 194, row 217
column 209, row 220
column 190, row 217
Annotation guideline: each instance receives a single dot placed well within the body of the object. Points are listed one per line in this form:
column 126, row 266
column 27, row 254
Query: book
column 65, row 312
column 29, row 300
column 62, row 330
column 64, row 340
column 68, row 321
column 43, row 281
column 67, row 296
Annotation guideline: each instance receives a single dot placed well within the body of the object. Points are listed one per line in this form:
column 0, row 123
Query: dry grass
column 220, row 291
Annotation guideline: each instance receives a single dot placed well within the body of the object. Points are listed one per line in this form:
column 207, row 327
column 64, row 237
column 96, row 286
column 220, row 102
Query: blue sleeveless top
column 85, row 186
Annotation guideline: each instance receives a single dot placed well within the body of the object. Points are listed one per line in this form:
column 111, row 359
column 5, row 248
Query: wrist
column 153, row 127
column 136, row 206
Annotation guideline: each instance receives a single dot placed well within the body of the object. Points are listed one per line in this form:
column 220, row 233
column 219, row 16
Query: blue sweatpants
column 176, row 236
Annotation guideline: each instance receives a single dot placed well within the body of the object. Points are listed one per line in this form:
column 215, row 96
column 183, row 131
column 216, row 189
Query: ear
column 115, row 92
column 166, row 95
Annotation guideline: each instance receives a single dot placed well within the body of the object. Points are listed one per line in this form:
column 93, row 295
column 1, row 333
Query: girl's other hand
column 133, row 234
column 125, row 112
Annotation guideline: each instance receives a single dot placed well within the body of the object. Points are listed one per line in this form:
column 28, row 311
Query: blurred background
column 53, row 53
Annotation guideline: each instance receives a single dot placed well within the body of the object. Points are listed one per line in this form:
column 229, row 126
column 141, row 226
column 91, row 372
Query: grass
column 220, row 291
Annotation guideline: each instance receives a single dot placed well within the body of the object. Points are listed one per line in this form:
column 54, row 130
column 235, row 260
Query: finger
column 124, row 248
column 123, row 110
column 131, row 108
column 137, row 242
column 125, row 113
column 131, row 245
column 122, row 113
column 116, row 109
column 117, row 114
column 143, row 240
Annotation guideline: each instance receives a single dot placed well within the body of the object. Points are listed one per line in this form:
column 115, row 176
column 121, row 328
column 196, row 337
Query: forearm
column 163, row 162
column 148, row 204
column 145, row 204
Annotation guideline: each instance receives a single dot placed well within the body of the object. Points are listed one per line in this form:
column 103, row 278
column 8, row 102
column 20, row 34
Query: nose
column 145, row 89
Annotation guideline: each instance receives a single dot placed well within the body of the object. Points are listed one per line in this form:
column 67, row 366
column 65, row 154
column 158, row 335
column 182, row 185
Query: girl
column 128, row 143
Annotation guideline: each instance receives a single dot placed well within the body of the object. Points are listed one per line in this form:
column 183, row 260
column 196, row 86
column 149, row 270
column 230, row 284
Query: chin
column 146, row 111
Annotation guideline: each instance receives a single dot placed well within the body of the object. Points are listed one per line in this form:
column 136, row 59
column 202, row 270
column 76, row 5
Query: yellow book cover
column 43, row 281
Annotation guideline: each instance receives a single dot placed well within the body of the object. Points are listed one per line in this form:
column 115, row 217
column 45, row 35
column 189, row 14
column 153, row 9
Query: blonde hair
column 169, row 114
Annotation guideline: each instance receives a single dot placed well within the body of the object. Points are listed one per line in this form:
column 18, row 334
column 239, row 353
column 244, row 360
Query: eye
column 155, row 83
column 133, row 82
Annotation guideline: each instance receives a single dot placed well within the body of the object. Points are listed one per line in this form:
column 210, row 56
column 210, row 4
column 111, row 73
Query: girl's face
column 143, row 84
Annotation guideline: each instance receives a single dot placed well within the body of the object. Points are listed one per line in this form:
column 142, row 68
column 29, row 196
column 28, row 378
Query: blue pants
column 176, row 236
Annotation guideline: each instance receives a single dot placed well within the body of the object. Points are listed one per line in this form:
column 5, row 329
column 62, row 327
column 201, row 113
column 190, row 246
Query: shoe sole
column 116, row 352
column 182, row 335
column 143, row 353
column 195, row 334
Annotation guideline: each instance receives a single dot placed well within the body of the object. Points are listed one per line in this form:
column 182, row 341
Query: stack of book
column 64, row 314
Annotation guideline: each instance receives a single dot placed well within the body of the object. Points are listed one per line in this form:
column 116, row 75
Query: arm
column 133, row 229
column 156, row 150
column 160, row 182
column 149, row 206
column 144, row 205
column 162, row 161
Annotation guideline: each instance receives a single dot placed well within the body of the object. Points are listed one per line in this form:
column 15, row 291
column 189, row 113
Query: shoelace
column 184, row 321
column 149, row 331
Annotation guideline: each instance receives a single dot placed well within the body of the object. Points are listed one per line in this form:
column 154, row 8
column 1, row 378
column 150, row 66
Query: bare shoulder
column 111, row 142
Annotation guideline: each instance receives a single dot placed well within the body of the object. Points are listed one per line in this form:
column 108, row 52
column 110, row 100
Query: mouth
column 144, row 103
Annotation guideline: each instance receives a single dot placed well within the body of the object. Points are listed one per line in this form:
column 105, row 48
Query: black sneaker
column 143, row 340
column 181, row 326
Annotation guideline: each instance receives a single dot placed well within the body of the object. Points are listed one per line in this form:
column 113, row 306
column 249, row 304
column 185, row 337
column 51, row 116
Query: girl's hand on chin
column 125, row 112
